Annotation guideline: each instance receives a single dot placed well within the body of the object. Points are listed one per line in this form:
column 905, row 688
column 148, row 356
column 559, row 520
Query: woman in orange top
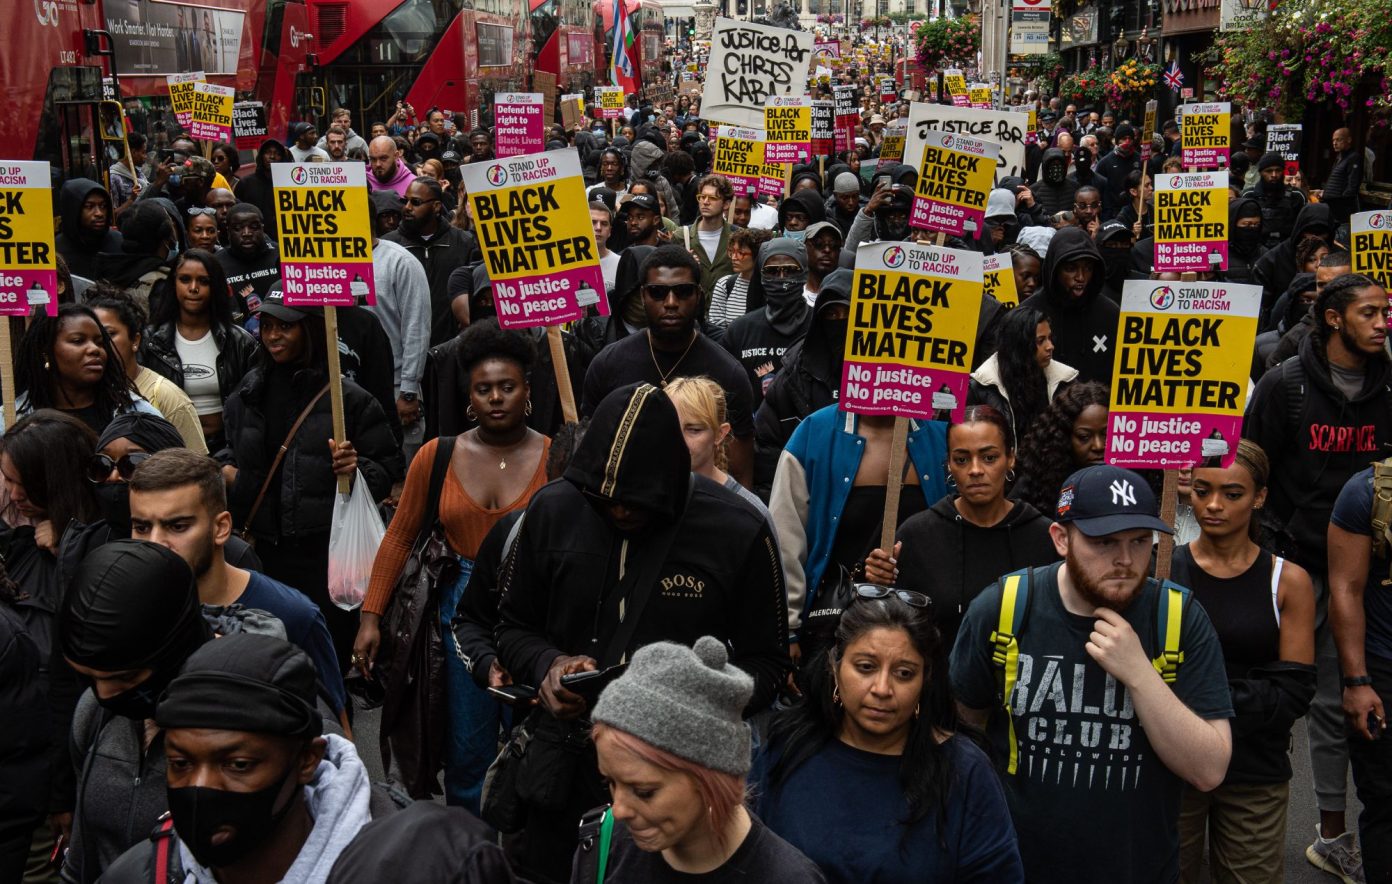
column 495, row 469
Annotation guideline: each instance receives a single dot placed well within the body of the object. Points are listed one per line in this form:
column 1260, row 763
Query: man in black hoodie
column 629, row 528
column 85, row 209
column 1322, row 416
column 1275, row 270
column 760, row 338
column 1084, row 322
column 258, row 189
column 251, row 261
column 441, row 247
column 1124, row 159
column 1054, row 191
column 809, row 380
column 799, row 212
column 1279, row 204
column 1246, row 239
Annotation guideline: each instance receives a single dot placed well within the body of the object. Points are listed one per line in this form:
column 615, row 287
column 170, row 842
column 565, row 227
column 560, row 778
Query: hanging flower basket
column 948, row 42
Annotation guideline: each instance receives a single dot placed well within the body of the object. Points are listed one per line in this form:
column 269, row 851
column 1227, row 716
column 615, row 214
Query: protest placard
column 1371, row 234
column 979, row 95
column 739, row 156
column 249, row 125
column 1285, row 139
column 610, row 100
column 572, row 110
column 28, row 265
column 826, row 51
column 1191, row 222
column 1148, row 129
column 181, row 94
column 519, row 123
column 750, row 63
column 1004, row 128
column 212, row 112
column 325, row 233
column 535, row 234
column 956, row 87
column 823, row 128
column 954, row 178
column 892, row 147
column 1180, row 384
column 1032, row 124
column 889, row 91
column 1206, row 136
column 912, row 329
column 847, row 117
column 788, row 129
column 774, row 178
column 998, row 279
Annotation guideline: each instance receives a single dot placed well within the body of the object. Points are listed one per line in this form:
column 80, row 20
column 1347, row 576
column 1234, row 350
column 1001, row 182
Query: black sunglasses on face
column 682, row 290
column 872, row 591
column 100, row 466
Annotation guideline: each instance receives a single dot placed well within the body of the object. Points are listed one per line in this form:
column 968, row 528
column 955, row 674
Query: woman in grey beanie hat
column 674, row 750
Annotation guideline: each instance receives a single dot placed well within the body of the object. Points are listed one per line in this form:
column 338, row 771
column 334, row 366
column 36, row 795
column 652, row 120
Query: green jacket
column 710, row 270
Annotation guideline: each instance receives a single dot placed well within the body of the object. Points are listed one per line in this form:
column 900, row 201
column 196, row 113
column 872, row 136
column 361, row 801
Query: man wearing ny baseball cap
column 1095, row 744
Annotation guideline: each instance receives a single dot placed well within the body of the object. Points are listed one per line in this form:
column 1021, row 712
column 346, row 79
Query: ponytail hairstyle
column 1253, row 459
column 703, row 400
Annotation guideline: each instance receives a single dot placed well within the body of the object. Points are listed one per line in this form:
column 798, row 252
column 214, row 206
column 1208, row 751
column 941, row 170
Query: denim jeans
column 471, row 727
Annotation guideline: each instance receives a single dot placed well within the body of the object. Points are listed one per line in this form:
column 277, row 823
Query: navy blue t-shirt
column 1353, row 512
column 863, row 841
column 304, row 626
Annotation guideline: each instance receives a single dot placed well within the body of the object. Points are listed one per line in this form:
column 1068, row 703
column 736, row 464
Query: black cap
column 245, row 682
column 1102, row 499
column 449, row 156
column 642, row 201
column 1113, row 228
column 274, row 305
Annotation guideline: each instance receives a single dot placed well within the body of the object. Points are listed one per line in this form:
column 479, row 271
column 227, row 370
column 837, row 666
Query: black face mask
column 1246, row 239
column 199, row 813
column 114, row 502
column 1055, row 172
column 1115, row 263
column 834, row 336
column 138, row 702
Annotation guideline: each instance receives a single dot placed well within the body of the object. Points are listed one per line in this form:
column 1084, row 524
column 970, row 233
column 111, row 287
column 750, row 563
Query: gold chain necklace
column 664, row 375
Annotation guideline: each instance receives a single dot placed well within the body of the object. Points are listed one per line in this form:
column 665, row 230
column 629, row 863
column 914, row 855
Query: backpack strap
column 1005, row 648
column 165, row 845
column 596, row 835
column 1382, row 506
column 1293, row 382
column 1169, row 617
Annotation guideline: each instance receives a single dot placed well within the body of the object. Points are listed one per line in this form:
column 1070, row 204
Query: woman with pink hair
column 675, row 752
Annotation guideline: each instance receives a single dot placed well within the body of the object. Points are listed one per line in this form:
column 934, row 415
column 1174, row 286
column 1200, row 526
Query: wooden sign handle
column 336, row 387
column 7, row 382
column 558, row 362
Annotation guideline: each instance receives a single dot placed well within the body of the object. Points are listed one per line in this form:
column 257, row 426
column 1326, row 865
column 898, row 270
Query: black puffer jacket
column 306, row 473
column 236, row 355
column 1280, row 205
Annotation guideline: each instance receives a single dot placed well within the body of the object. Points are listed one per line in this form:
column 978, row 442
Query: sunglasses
column 873, row 591
column 202, row 210
column 100, row 466
column 682, row 290
column 781, row 271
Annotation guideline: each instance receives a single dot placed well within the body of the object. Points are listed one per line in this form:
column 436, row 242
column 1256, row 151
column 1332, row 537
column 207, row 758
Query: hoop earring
column 950, row 481
column 1010, row 475
column 917, row 706
column 528, row 410
column 470, row 413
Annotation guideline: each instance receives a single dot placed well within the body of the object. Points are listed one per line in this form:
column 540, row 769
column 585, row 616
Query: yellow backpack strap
column 1169, row 619
column 1005, row 649
column 1382, row 506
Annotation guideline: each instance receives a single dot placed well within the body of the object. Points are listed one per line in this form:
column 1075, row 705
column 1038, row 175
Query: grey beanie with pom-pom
column 687, row 701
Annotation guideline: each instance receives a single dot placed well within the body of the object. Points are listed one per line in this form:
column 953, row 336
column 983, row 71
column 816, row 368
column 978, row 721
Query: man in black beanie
column 1279, row 203
column 284, row 813
column 129, row 622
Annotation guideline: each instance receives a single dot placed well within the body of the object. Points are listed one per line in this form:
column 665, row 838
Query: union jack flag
column 1174, row 77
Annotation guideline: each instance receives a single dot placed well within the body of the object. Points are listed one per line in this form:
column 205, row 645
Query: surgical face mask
column 175, row 179
column 200, row 814
column 795, row 235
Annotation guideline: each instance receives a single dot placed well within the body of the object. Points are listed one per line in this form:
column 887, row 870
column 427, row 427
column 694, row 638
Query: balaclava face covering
column 785, row 306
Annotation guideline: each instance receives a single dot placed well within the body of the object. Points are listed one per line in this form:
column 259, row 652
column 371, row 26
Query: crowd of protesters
column 666, row 643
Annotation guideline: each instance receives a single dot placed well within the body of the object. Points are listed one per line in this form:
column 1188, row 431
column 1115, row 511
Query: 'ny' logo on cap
column 1123, row 493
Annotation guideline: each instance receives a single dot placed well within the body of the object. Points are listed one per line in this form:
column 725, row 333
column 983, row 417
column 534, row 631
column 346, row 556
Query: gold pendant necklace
column 663, row 376
column 502, row 463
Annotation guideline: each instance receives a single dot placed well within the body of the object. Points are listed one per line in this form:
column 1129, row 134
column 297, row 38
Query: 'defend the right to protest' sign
column 912, row 329
column 325, row 233
column 28, row 260
column 1206, row 138
column 954, row 178
column 519, row 124
column 1371, row 234
column 1191, row 222
column 749, row 64
column 1179, row 386
column 536, row 237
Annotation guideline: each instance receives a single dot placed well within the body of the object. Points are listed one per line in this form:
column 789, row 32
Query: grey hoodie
column 338, row 802
column 403, row 308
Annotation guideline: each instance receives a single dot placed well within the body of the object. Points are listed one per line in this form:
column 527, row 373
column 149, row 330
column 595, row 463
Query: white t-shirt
column 200, row 372
column 710, row 243
column 609, row 266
